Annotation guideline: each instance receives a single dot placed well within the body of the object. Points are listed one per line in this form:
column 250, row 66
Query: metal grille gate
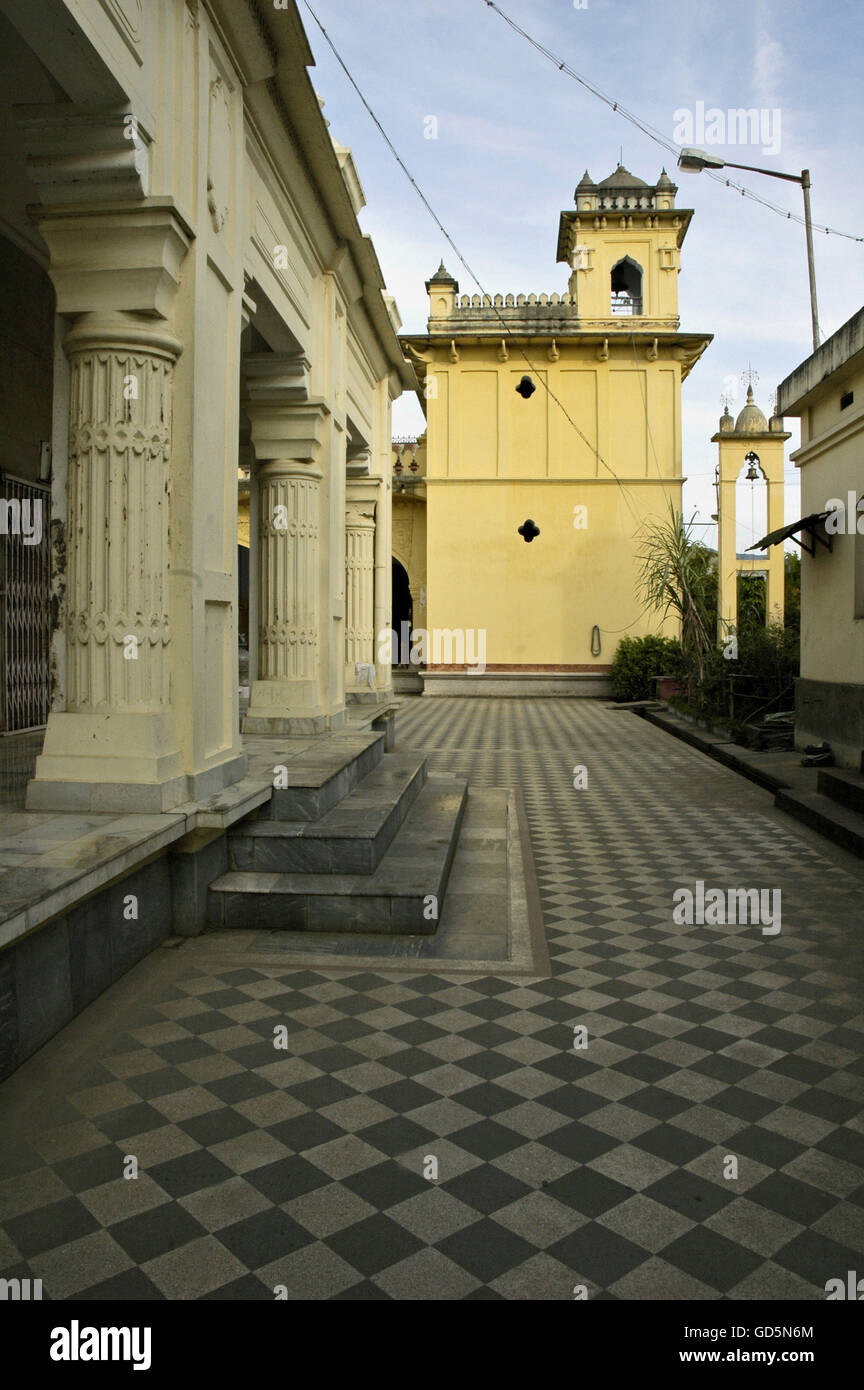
column 25, row 598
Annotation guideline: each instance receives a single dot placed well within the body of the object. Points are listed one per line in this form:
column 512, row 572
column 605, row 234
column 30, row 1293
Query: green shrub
column 764, row 671
column 639, row 659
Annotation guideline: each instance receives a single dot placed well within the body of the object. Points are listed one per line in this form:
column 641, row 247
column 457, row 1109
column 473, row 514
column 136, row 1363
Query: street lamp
column 693, row 161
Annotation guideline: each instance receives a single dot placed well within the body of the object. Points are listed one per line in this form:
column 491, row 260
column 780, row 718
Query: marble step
column 316, row 778
column 842, row 785
column 349, row 839
column 400, row 896
column 838, row 823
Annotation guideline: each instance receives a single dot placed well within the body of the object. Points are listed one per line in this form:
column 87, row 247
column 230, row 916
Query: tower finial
column 749, row 377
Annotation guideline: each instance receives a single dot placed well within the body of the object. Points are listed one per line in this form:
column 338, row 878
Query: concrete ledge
column 234, row 803
column 840, row 824
column 798, row 791
column 81, row 867
column 51, row 975
column 518, row 684
column 768, row 770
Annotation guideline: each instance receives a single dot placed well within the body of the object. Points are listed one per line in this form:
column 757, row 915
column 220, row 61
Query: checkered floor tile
column 425, row 1136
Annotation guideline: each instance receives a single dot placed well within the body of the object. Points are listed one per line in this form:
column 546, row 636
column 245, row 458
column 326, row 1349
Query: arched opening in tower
column 626, row 284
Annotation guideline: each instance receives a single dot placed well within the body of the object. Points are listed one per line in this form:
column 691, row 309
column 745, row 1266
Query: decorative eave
column 649, row 339
column 750, row 436
column 270, row 47
column 572, row 222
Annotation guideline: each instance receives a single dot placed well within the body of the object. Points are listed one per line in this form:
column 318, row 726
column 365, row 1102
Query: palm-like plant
column 675, row 580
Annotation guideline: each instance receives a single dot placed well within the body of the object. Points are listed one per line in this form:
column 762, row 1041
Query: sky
column 515, row 134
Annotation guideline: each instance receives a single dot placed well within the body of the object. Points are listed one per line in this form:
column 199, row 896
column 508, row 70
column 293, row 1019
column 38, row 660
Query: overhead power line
column 656, row 135
column 625, row 491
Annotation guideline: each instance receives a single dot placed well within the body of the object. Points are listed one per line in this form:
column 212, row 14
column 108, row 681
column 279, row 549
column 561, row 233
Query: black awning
column 809, row 524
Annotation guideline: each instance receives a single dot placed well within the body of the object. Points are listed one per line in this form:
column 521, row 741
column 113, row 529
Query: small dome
column 751, row 420
column 586, row 181
column 665, row 183
column 442, row 276
column 622, row 178
column 726, row 421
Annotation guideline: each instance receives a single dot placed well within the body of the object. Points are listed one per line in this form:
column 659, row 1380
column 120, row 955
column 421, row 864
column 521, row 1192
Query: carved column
column 117, row 619
column 360, row 595
column 286, row 436
column 288, row 571
column 115, row 745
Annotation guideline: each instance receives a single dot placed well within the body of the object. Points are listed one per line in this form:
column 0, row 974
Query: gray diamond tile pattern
column 607, row 1166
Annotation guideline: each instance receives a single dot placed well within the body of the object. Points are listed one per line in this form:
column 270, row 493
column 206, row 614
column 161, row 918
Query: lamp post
column 693, row 161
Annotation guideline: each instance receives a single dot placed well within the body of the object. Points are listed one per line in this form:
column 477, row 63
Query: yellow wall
column 538, row 602
column 495, row 459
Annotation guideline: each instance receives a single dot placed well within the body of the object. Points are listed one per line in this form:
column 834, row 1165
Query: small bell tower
column 758, row 443
column 623, row 245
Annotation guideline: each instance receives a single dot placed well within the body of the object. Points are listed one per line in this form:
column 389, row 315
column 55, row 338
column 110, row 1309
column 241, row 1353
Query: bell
column 752, row 473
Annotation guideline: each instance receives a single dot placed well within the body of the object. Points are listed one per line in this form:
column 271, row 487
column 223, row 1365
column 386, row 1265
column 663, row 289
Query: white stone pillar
column 118, row 725
column 288, row 499
column 286, row 697
column 117, row 539
column 114, row 745
column 360, row 595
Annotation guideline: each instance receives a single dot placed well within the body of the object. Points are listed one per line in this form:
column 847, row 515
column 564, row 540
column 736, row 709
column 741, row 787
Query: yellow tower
column 752, row 442
column 586, row 451
column 623, row 245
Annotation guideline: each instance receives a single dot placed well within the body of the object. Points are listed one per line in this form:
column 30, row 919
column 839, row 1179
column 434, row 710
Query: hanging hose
column 596, row 646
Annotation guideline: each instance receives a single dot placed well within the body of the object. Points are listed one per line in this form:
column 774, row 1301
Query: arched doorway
column 403, row 611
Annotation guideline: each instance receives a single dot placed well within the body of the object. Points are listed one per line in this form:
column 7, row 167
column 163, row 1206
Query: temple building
column 199, row 358
column 189, row 291
column 553, row 431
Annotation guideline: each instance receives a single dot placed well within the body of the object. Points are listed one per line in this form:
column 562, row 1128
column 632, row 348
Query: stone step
column 393, row 899
column 844, row 786
column 319, row 774
column 349, row 839
column 407, row 681
column 838, row 823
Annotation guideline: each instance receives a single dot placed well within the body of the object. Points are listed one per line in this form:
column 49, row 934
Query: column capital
column 360, row 516
column 286, row 430
column 362, row 493
column 116, row 257
column 276, row 376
